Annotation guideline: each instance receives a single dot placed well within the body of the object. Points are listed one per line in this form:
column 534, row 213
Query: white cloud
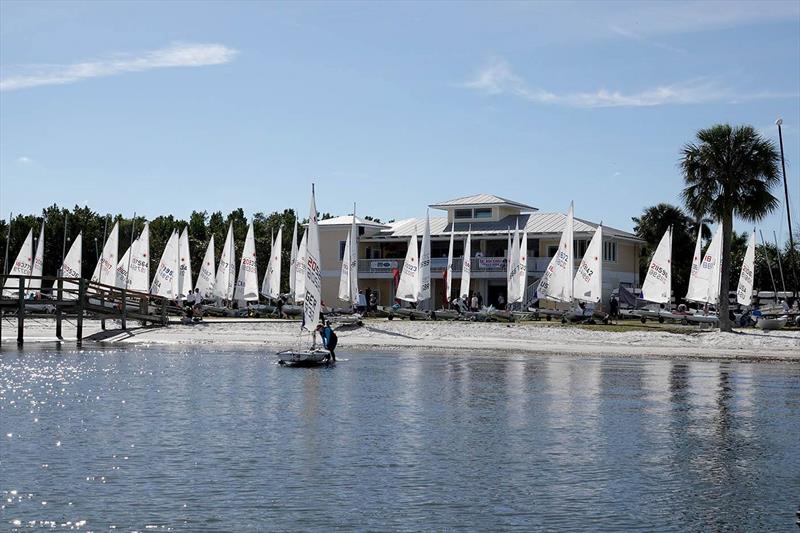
column 499, row 78
column 175, row 55
column 24, row 160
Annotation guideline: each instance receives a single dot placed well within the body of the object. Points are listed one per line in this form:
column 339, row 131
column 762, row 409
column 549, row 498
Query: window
column 462, row 213
column 579, row 248
column 341, row 249
column 484, row 212
column 361, row 230
column 551, row 250
column 610, row 251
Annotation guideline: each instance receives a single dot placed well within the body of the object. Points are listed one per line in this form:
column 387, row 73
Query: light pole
column 778, row 123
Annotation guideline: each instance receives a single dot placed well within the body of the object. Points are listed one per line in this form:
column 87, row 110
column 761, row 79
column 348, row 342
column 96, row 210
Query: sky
column 169, row 107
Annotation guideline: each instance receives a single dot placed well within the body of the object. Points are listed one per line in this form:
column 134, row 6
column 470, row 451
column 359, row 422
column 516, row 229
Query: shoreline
column 534, row 338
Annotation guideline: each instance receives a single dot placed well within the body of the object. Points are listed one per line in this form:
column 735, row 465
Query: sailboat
column 588, row 282
column 23, row 265
column 424, row 292
column 704, row 285
column 133, row 270
column 35, row 285
column 105, row 271
column 185, row 274
column 71, row 268
column 512, row 292
column 271, row 286
column 207, row 275
column 348, row 278
column 409, row 286
column 165, row 281
column 466, row 268
column 247, row 284
column 556, row 282
column 313, row 297
column 225, row 281
column 448, row 271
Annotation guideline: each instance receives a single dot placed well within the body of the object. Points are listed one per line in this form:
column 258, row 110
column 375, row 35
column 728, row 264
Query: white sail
column 716, row 271
column 509, row 262
column 348, row 285
column 71, row 268
column 106, row 270
column 247, row 284
column 657, row 286
column 512, row 281
column 354, row 259
column 225, row 281
column 313, row 270
column 556, row 282
column 300, row 270
column 408, row 286
column 466, row 268
column 588, row 284
column 139, row 271
column 744, row 293
column 38, row 264
column 121, row 272
column 293, row 260
column 705, row 286
column 425, row 262
column 697, row 290
column 22, row 266
column 513, row 277
column 449, row 271
column 165, row 281
column 271, row 287
column 185, row 275
column 207, row 275
column 522, row 271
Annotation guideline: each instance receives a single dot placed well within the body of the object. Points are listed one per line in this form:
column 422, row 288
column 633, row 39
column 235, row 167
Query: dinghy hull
column 304, row 358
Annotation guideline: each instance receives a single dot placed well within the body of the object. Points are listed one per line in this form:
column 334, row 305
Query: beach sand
column 629, row 340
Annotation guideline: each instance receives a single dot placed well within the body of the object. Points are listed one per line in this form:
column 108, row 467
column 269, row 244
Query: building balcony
column 481, row 266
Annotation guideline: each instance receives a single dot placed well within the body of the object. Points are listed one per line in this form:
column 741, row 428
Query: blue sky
column 169, row 107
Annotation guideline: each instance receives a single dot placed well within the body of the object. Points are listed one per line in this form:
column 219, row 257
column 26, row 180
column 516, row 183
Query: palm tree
column 729, row 172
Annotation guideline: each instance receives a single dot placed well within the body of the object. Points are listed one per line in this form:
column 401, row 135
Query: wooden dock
column 78, row 298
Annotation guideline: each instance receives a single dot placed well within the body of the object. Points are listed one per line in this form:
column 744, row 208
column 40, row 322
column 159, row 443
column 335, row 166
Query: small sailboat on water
column 312, row 303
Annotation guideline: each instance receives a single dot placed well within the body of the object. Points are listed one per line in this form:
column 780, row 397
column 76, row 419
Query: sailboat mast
column 64, row 246
column 780, row 265
column 792, row 260
column 769, row 266
column 8, row 240
column 130, row 253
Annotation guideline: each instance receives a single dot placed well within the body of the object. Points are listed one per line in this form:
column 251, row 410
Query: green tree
column 729, row 171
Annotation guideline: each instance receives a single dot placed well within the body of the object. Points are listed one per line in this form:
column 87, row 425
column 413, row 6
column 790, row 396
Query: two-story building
column 382, row 248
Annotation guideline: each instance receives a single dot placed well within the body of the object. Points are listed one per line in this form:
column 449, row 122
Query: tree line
column 201, row 226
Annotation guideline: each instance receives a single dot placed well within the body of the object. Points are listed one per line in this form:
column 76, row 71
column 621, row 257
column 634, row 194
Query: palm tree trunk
column 725, row 275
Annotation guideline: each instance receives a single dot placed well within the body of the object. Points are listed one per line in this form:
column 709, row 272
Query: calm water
column 201, row 439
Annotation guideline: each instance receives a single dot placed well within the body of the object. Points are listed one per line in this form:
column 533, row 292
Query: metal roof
column 480, row 200
column 346, row 220
column 535, row 223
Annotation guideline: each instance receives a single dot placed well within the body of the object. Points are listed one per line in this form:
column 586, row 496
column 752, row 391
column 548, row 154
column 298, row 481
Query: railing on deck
column 438, row 264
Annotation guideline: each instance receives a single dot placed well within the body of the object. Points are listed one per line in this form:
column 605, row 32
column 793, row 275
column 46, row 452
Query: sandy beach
column 628, row 340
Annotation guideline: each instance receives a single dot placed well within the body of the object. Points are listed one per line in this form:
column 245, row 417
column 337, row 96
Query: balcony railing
column 438, row 264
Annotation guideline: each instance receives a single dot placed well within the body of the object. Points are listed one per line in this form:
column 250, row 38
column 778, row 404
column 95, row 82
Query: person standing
column 501, row 302
column 373, row 302
column 361, row 305
column 329, row 340
column 474, row 303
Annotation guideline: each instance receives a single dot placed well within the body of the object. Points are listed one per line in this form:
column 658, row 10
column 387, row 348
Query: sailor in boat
column 329, row 340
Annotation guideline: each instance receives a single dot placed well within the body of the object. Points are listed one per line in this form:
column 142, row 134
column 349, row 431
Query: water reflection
column 200, row 439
